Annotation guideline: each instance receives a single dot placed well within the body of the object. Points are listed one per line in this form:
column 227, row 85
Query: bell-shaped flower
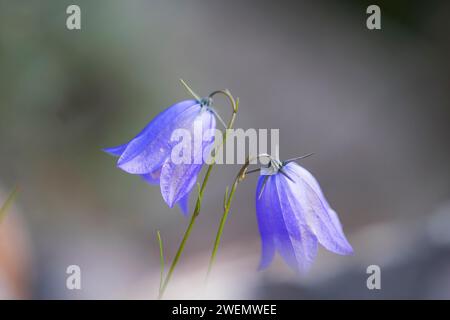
column 294, row 216
column 155, row 152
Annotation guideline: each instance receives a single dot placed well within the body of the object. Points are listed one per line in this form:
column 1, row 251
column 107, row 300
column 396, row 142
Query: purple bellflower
column 294, row 216
column 149, row 154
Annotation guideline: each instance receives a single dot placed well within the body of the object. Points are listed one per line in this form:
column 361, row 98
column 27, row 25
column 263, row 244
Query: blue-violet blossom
column 149, row 154
column 294, row 216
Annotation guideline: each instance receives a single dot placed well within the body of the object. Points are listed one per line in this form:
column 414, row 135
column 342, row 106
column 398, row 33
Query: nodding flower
column 148, row 154
column 294, row 216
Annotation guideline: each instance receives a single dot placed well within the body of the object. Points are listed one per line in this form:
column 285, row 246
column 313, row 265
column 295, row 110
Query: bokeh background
column 372, row 105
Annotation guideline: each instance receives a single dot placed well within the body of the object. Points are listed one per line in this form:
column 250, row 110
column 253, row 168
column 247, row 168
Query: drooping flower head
column 149, row 154
column 294, row 216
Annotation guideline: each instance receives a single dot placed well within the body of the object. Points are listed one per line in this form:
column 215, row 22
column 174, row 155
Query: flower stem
column 235, row 105
column 186, row 236
column 161, row 258
column 226, row 210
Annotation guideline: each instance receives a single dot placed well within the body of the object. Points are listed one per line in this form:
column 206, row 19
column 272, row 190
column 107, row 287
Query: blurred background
column 372, row 105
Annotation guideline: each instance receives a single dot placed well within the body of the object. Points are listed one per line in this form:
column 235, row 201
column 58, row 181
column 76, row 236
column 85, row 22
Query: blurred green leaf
column 8, row 203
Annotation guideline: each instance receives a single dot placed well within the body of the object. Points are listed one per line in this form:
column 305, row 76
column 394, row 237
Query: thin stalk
column 224, row 218
column 161, row 258
column 226, row 210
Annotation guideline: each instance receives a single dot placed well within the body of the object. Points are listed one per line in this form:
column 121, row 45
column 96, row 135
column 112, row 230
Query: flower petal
column 264, row 217
column 309, row 201
column 150, row 148
column 152, row 177
column 177, row 180
column 280, row 228
column 294, row 240
column 116, row 151
column 183, row 203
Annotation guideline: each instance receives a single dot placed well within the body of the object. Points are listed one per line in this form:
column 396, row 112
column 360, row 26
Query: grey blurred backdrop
column 372, row 105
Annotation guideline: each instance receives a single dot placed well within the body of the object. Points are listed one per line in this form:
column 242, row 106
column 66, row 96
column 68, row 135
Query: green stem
column 185, row 237
column 235, row 105
column 226, row 210
column 161, row 258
